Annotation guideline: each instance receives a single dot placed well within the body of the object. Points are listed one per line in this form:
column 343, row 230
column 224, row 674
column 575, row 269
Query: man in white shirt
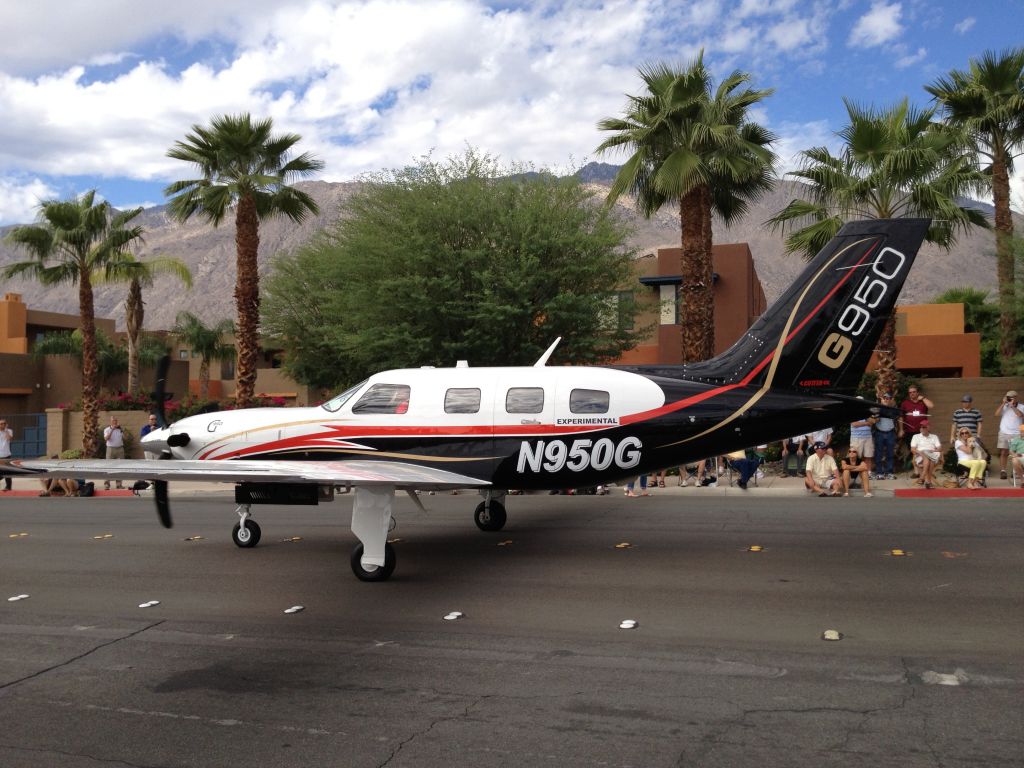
column 822, row 475
column 6, row 438
column 1010, row 419
column 113, row 436
column 927, row 451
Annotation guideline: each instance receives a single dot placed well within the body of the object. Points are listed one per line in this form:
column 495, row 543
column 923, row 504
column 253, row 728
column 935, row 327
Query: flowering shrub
column 114, row 401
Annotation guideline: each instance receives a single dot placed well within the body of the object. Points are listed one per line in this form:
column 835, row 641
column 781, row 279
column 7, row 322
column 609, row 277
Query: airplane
column 542, row 427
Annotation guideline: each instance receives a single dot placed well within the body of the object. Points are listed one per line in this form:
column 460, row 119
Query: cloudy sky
column 94, row 93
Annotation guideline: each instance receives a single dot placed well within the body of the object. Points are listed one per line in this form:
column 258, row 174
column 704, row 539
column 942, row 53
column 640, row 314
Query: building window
column 183, row 354
column 524, row 400
column 227, row 369
column 462, row 401
column 588, row 401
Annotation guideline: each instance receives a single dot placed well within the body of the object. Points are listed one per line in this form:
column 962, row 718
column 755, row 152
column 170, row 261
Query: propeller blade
column 163, row 508
column 160, row 391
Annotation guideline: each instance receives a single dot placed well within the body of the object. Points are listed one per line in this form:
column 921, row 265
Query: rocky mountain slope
column 210, row 254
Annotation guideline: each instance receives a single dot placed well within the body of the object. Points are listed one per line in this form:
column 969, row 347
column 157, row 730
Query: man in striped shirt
column 967, row 417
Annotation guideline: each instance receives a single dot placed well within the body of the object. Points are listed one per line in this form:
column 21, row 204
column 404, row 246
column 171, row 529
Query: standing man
column 113, row 436
column 861, row 440
column 6, row 438
column 1010, row 420
column 966, row 417
column 885, row 442
column 148, row 427
column 913, row 410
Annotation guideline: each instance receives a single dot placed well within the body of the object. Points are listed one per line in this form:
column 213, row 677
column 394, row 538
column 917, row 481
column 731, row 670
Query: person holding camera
column 1010, row 419
column 113, row 436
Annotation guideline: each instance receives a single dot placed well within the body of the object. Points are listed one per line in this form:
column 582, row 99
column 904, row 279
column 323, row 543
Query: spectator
column 643, row 487
column 913, row 411
column 884, row 435
column 113, row 436
column 1010, row 420
column 746, row 463
column 794, row 456
column 822, row 476
column 6, row 438
column 965, row 454
column 861, row 440
column 658, row 478
column 822, row 436
column 148, row 427
column 926, row 449
column 1017, row 453
column 854, row 464
column 965, row 416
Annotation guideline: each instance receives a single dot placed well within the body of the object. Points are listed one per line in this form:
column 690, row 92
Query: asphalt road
column 727, row 666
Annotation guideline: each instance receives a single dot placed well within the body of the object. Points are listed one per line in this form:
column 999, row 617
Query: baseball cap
column 966, row 399
column 924, row 422
column 818, row 445
column 887, row 396
column 1012, row 393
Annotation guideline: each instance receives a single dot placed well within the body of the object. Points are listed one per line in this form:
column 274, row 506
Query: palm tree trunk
column 247, row 298
column 886, row 351
column 134, row 311
column 696, row 307
column 1004, row 262
column 90, row 370
column 204, row 379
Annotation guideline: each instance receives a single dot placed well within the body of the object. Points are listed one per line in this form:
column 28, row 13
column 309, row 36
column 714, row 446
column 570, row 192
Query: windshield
column 335, row 403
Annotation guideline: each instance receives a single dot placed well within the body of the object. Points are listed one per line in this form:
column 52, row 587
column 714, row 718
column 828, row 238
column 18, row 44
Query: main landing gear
column 246, row 532
column 490, row 513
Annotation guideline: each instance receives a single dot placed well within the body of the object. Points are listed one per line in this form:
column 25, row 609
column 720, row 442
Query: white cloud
column 879, row 25
column 796, row 137
column 964, row 26
column 911, row 58
column 19, row 199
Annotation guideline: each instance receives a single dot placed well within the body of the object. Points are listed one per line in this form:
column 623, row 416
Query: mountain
column 210, row 253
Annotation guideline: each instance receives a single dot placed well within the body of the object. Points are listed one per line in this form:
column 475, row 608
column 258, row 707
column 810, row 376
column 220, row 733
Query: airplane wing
column 355, row 472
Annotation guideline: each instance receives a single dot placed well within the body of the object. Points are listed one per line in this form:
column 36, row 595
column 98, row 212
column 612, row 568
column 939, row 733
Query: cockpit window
column 588, row 401
column 336, row 402
column 384, row 398
column 462, row 401
column 524, row 400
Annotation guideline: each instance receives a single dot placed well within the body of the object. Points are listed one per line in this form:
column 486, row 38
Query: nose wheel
column 373, row 572
column 246, row 532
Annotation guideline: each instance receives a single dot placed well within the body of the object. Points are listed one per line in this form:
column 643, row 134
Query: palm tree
column 242, row 164
column 987, row 102
column 72, row 243
column 895, row 162
column 696, row 147
column 138, row 273
column 206, row 341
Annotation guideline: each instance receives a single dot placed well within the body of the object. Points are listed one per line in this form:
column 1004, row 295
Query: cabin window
column 462, row 401
column 524, row 400
column 337, row 401
column 384, row 398
column 588, row 401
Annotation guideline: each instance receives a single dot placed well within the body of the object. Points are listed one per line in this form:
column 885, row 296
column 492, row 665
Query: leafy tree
column 139, row 273
column 111, row 358
column 72, row 243
column 461, row 259
column 242, row 165
column 987, row 101
column 694, row 146
column 206, row 341
column 895, row 162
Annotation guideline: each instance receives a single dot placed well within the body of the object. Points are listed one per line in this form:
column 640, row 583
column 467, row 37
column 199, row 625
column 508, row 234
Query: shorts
column 1003, row 441
column 864, row 446
column 933, row 455
column 825, row 482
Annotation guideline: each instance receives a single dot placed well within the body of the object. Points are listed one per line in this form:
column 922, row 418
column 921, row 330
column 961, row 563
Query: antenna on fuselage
column 544, row 358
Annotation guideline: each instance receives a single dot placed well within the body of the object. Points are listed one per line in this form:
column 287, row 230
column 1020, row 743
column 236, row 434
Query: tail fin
column 822, row 331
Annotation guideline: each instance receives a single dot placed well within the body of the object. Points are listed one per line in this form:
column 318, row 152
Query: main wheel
column 248, row 536
column 374, row 572
column 492, row 519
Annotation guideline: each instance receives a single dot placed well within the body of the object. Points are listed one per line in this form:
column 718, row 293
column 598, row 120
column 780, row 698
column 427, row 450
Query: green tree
column 205, row 341
column 895, row 162
column 695, row 146
column 242, row 164
column 987, row 101
column 461, row 259
column 139, row 273
column 111, row 358
column 72, row 243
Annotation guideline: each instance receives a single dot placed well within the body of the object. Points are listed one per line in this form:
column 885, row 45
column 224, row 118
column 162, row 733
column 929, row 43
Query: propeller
column 163, row 507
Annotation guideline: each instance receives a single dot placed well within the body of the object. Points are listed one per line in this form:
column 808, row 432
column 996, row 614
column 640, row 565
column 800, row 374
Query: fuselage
column 516, row 427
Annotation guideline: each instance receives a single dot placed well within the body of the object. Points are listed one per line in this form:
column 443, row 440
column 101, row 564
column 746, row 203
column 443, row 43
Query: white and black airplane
column 544, row 427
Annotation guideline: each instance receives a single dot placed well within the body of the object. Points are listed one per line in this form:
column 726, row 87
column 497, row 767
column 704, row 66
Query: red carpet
column 959, row 493
column 124, row 492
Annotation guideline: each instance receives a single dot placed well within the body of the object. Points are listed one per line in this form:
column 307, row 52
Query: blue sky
column 95, row 93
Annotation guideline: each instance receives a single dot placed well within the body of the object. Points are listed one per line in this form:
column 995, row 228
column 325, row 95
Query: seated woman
column 852, row 465
column 965, row 457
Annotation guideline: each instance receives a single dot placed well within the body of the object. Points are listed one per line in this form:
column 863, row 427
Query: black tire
column 490, row 520
column 373, row 574
column 251, row 536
